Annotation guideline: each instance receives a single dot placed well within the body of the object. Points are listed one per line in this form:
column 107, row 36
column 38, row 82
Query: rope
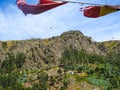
column 80, row 2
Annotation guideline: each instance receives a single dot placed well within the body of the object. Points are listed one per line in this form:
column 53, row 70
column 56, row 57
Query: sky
column 14, row 25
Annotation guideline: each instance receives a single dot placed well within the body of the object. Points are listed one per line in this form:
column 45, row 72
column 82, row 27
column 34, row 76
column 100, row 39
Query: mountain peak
column 43, row 51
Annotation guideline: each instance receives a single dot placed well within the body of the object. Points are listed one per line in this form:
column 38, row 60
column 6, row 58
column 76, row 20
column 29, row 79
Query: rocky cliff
column 42, row 52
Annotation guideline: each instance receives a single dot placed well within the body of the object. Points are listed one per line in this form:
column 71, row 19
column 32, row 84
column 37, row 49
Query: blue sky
column 15, row 26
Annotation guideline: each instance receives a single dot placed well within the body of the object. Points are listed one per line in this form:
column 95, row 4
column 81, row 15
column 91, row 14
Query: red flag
column 42, row 6
column 97, row 11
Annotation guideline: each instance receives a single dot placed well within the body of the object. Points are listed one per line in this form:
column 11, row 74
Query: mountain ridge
column 40, row 52
column 46, row 52
column 70, row 61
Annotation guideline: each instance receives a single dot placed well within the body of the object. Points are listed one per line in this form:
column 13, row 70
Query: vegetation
column 12, row 62
column 12, row 77
column 58, row 64
column 9, row 71
column 102, row 71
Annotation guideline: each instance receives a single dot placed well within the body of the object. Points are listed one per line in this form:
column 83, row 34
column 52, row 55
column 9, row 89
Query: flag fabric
column 42, row 6
column 97, row 11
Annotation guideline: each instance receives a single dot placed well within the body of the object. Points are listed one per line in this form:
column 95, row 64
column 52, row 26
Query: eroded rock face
column 46, row 52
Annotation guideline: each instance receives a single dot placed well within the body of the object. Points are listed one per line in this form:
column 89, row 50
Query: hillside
column 112, row 46
column 40, row 52
column 70, row 61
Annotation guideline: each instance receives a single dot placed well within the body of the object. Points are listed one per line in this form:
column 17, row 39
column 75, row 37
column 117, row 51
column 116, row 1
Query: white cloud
column 14, row 25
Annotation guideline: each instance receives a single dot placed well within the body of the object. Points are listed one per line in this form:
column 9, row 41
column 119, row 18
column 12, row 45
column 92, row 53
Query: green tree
column 20, row 59
column 12, row 62
column 43, row 80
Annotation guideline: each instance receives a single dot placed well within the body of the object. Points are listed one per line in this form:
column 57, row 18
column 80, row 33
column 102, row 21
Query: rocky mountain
column 70, row 61
column 41, row 52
